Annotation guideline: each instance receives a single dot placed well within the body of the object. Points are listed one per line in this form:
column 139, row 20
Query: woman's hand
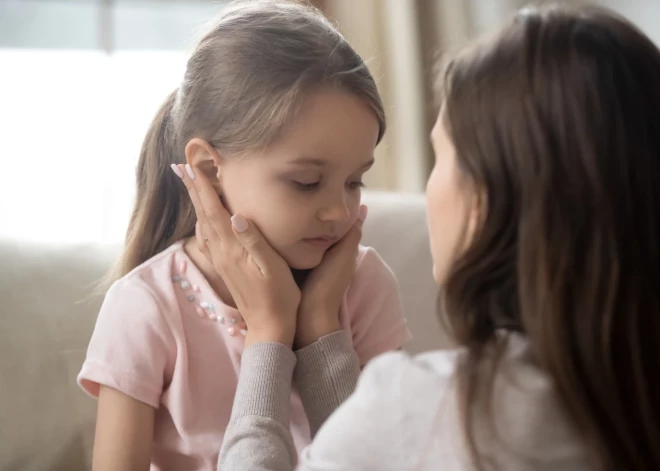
column 257, row 277
column 318, row 314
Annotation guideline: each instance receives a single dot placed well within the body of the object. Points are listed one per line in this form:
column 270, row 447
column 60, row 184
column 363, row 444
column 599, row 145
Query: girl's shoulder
column 372, row 272
column 146, row 291
column 163, row 268
column 373, row 311
column 150, row 289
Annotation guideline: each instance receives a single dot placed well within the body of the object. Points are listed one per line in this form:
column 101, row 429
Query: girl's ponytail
column 163, row 213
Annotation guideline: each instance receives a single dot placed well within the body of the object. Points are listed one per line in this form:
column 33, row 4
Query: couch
column 48, row 308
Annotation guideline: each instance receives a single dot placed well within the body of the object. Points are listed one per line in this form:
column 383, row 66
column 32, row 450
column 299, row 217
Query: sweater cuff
column 264, row 382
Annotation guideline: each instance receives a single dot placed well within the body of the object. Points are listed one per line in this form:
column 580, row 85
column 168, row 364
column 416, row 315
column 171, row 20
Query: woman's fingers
column 202, row 224
column 201, row 242
column 242, row 257
column 349, row 244
column 211, row 214
column 214, row 222
column 255, row 244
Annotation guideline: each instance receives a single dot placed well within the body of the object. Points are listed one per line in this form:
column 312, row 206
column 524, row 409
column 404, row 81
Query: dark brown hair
column 243, row 84
column 557, row 122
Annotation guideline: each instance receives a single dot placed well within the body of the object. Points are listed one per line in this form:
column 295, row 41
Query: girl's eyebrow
column 316, row 162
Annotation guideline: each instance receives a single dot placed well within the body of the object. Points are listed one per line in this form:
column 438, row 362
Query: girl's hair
column 556, row 122
column 243, row 84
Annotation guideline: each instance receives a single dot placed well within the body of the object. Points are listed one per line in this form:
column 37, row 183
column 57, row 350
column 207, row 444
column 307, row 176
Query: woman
column 544, row 218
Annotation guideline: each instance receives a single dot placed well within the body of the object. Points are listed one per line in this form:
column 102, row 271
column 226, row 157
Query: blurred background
column 81, row 79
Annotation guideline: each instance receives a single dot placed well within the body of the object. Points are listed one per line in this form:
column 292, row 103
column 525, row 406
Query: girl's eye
column 306, row 186
column 356, row 184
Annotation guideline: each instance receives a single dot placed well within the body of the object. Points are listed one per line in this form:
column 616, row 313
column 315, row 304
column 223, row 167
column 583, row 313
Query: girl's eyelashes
column 302, row 186
column 306, row 186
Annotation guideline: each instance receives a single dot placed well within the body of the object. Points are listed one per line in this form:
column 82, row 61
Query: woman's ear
column 205, row 159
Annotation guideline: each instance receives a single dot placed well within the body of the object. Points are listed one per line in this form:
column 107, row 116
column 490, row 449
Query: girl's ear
column 205, row 159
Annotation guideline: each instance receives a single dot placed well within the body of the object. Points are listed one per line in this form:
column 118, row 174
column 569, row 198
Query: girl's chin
column 301, row 265
column 307, row 262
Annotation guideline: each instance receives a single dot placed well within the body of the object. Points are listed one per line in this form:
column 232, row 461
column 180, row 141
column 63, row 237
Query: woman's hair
column 243, row 84
column 556, row 122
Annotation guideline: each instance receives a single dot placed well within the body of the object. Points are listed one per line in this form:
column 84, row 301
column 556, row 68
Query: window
column 80, row 83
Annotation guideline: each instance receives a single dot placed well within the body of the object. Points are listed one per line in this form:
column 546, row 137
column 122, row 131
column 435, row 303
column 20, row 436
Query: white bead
column 185, row 284
column 204, row 304
column 191, row 298
column 221, row 319
column 234, row 320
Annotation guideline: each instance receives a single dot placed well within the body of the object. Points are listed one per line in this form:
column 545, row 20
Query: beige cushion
column 49, row 310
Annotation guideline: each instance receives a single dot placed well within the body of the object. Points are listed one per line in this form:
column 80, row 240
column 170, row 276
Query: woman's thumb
column 356, row 231
column 201, row 243
column 251, row 239
column 362, row 214
column 351, row 241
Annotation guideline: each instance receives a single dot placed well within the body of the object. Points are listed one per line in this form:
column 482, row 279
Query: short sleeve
column 131, row 346
column 374, row 306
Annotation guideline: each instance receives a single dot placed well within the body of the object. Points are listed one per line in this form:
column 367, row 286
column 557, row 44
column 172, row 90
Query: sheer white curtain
column 401, row 40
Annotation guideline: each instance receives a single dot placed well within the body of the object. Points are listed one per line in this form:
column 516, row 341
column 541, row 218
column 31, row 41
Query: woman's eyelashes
column 311, row 186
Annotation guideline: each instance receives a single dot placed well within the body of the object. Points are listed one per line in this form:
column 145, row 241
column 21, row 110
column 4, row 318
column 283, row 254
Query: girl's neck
column 207, row 269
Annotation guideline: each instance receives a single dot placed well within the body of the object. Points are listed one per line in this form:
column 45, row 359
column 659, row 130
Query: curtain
column 401, row 41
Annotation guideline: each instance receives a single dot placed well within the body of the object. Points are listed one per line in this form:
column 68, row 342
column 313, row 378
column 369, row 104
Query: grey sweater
column 402, row 416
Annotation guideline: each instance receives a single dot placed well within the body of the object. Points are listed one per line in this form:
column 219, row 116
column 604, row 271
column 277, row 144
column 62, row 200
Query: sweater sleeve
column 326, row 375
column 389, row 423
column 258, row 435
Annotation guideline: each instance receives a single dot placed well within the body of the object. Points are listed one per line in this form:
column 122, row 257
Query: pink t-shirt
column 164, row 338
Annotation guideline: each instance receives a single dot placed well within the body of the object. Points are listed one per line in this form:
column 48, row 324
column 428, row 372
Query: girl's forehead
column 331, row 126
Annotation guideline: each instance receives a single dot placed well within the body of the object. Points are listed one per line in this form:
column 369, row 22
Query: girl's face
column 303, row 192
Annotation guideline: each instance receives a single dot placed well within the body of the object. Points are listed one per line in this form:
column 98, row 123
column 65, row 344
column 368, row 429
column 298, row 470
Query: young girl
column 281, row 116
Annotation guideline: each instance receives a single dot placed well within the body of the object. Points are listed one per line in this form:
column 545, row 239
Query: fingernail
column 190, row 172
column 239, row 223
column 177, row 170
column 362, row 215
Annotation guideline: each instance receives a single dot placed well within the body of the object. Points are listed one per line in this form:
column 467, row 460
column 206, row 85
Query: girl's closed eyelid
column 305, row 177
column 306, row 186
